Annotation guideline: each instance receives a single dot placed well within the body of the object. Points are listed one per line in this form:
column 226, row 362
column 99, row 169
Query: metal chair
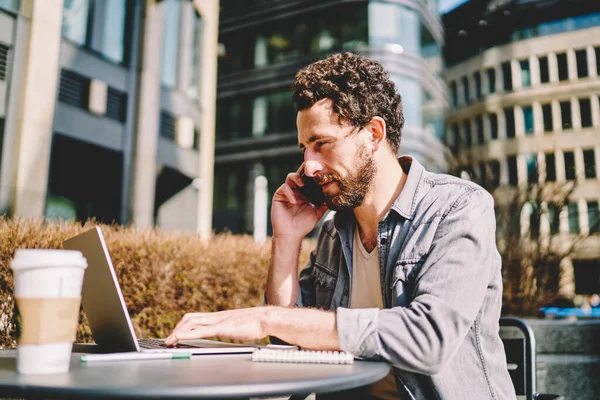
column 521, row 360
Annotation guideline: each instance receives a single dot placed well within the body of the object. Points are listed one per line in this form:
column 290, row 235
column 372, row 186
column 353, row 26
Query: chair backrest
column 520, row 356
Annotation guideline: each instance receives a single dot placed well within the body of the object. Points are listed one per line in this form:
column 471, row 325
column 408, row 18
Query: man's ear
column 377, row 129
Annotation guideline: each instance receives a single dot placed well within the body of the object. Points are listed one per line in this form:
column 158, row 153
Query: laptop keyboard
column 160, row 344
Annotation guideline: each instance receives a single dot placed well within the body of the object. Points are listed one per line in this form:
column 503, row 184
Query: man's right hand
column 292, row 215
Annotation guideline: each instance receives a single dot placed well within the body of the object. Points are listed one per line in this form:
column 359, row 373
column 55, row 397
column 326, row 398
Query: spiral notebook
column 302, row 356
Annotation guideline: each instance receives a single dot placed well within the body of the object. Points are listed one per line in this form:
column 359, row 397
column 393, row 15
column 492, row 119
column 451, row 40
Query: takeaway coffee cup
column 47, row 293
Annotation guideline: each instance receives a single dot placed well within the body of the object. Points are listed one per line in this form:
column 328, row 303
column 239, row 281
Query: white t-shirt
column 366, row 293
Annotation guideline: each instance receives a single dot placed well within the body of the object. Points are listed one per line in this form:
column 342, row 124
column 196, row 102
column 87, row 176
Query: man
column 406, row 270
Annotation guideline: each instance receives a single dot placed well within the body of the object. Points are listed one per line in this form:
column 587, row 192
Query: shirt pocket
column 324, row 280
column 403, row 282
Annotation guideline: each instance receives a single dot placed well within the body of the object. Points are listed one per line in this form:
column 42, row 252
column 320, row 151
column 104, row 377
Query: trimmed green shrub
column 162, row 274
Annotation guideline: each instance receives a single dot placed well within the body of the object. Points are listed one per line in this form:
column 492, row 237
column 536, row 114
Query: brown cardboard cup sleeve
column 47, row 320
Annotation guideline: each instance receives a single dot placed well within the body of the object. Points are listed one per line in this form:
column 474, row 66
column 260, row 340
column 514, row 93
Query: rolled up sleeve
column 449, row 291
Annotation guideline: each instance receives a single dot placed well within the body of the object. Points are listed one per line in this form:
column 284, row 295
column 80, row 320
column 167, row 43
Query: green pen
column 135, row 356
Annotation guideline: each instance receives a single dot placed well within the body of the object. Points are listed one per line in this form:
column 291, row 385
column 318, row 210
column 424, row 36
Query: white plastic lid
column 42, row 258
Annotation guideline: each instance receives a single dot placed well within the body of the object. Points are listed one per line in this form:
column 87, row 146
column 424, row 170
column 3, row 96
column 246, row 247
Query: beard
column 354, row 186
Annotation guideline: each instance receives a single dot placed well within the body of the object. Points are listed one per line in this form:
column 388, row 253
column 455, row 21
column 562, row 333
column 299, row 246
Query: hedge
column 162, row 274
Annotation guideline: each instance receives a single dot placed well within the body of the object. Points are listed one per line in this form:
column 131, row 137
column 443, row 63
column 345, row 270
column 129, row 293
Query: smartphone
column 312, row 191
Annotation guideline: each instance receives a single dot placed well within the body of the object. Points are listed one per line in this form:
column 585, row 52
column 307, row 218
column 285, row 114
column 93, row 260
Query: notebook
column 107, row 314
column 303, row 356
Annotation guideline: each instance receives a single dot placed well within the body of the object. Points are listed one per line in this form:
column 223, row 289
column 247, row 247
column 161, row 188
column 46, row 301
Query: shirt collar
column 405, row 204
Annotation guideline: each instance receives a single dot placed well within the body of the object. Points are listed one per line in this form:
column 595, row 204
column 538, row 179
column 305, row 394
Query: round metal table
column 201, row 377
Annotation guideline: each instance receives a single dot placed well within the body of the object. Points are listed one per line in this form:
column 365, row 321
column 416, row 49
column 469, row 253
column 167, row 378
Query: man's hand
column 291, row 213
column 308, row 328
column 243, row 324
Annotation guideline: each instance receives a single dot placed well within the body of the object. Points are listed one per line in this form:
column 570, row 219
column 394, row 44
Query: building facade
column 104, row 107
column 524, row 80
column 262, row 44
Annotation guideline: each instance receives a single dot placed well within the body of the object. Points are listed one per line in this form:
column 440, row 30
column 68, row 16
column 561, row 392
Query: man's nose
column 311, row 168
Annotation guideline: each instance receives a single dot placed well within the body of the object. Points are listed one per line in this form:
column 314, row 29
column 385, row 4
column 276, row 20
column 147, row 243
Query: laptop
column 107, row 314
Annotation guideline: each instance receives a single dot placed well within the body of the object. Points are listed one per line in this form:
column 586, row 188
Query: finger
column 286, row 191
column 294, row 178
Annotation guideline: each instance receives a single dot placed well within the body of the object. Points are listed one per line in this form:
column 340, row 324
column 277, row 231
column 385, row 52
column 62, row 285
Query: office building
column 105, row 108
column 524, row 90
column 262, row 44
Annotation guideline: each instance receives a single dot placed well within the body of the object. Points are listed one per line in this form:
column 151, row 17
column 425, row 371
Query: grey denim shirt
column 441, row 286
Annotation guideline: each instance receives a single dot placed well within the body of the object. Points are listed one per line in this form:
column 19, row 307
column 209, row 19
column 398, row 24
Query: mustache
column 322, row 179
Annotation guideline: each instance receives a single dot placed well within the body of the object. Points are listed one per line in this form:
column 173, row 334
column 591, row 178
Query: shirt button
column 383, row 240
column 346, row 292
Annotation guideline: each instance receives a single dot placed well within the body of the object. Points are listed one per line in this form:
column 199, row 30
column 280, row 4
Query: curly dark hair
column 360, row 89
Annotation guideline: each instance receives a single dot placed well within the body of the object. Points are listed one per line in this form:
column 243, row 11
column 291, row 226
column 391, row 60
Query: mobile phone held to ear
column 312, row 191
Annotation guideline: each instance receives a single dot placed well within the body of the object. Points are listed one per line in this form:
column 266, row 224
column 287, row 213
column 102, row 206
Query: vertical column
column 595, row 110
column 591, row 61
column 146, row 146
column 516, row 75
column 597, row 158
column 553, row 67
column 584, row 222
column 503, row 171
column 538, row 119
column 519, row 121
column 534, row 70
column 575, row 113
column 556, row 116
column 521, row 169
column 485, row 86
column 36, row 106
column 541, row 167
column 209, row 11
column 579, row 164
column 572, row 65
column 501, row 124
column 559, row 158
column 499, row 79
column 186, row 42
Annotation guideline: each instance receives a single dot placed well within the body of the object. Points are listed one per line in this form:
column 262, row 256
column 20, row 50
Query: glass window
column 454, row 91
column 544, row 70
column 480, row 135
column 468, row 138
column 582, row 66
column 573, row 213
column 195, row 65
column 547, row 114
column 482, row 172
column 75, row 20
column 563, row 69
column 170, row 45
column 597, row 51
column 491, row 78
column 553, row 218
column 513, row 177
column 565, row 113
column 550, row 167
column 528, row 119
column 509, row 116
column 570, row 172
column 507, row 76
column 534, row 220
column 589, row 162
column 456, row 136
column 10, row 4
column 394, row 24
column 466, row 89
column 477, row 78
column 494, row 126
column 113, row 30
column 525, row 73
column 593, row 216
column 585, row 108
column 412, row 98
column 495, row 172
column 532, row 170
